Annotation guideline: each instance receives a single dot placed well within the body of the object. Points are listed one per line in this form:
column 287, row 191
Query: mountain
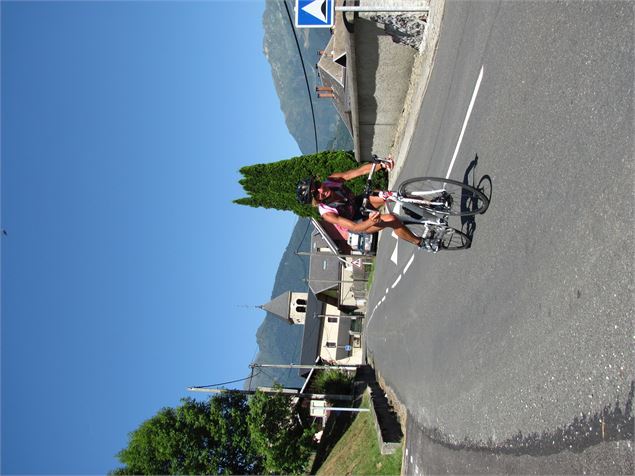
column 281, row 51
column 279, row 342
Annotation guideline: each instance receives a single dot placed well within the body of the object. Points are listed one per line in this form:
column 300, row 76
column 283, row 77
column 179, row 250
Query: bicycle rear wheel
column 455, row 240
column 446, row 196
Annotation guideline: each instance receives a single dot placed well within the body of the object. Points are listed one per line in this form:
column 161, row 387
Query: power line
column 306, row 78
column 251, row 376
column 225, row 383
column 274, row 380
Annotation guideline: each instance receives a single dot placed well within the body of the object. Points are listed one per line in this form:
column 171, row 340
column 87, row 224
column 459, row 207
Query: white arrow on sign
column 317, row 9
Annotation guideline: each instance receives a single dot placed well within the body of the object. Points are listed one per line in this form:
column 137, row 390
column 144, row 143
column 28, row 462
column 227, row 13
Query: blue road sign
column 314, row 13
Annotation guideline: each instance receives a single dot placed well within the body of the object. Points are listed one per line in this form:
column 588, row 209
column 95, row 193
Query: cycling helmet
column 304, row 191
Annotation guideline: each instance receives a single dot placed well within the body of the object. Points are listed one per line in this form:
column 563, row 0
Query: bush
column 334, row 382
column 284, row 443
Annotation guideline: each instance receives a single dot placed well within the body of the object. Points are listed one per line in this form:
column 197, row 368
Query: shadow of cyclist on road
column 468, row 223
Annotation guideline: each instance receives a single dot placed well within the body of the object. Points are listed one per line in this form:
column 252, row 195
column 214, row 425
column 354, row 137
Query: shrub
column 334, row 382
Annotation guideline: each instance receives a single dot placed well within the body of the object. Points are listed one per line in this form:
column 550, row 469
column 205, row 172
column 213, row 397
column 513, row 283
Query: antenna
column 249, row 306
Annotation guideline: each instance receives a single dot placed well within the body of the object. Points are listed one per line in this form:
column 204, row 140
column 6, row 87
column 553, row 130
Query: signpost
column 319, row 408
column 314, row 13
column 320, row 13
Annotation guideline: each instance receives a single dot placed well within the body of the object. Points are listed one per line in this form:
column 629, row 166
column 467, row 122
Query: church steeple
column 289, row 306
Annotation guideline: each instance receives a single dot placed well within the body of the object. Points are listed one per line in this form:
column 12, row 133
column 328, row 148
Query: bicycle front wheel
column 445, row 196
column 455, row 240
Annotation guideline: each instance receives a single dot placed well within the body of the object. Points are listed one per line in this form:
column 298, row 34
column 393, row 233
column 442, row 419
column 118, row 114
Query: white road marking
column 412, row 258
column 370, row 318
column 395, row 252
column 467, row 117
column 393, row 258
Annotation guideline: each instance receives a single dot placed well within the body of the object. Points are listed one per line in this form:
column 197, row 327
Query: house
column 328, row 332
column 365, row 71
column 332, row 70
column 332, row 309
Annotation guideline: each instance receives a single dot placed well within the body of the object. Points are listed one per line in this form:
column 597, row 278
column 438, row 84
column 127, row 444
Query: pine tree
column 273, row 185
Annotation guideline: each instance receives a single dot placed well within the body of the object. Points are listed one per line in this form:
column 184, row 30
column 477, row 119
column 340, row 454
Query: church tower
column 289, row 306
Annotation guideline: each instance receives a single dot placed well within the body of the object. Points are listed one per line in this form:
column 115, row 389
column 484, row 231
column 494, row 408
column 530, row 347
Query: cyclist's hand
column 374, row 218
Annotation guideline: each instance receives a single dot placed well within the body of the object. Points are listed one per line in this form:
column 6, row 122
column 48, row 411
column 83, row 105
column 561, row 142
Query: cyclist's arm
column 351, row 174
column 350, row 225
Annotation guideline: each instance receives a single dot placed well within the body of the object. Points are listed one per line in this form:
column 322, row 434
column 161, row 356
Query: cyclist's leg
column 401, row 230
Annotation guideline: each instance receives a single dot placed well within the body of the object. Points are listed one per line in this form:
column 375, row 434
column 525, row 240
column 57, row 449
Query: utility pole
column 301, row 366
column 336, row 281
column 346, row 316
column 334, row 255
column 370, row 8
column 273, row 391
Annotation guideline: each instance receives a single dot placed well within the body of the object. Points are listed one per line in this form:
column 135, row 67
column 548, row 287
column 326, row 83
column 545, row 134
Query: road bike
column 424, row 205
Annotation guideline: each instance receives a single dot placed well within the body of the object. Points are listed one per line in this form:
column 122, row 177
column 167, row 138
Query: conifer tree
column 273, row 185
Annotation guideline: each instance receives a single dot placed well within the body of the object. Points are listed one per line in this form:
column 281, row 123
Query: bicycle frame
column 416, row 206
column 428, row 217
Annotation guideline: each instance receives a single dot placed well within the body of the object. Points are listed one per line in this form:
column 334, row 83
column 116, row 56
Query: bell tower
column 289, row 306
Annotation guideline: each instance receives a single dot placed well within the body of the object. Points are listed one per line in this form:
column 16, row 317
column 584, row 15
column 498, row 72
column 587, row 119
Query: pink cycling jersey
column 322, row 209
column 345, row 195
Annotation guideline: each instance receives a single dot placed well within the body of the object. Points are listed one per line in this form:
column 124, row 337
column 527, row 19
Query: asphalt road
column 522, row 346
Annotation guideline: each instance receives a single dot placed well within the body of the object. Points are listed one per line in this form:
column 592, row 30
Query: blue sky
column 125, row 263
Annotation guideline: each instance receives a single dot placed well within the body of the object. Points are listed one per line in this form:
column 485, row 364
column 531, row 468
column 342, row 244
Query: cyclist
column 337, row 204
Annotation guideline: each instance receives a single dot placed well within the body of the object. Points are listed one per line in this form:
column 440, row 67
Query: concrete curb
column 421, row 71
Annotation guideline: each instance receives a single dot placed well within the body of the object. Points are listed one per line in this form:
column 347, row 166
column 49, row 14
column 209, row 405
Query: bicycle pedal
column 426, row 245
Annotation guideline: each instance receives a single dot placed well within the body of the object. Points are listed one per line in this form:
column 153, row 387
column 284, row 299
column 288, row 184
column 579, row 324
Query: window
column 300, row 309
column 300, row 302
column 331, row 345
column 332, row 319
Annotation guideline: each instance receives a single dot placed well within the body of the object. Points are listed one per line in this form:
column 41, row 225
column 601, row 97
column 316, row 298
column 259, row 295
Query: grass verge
column 371, row 275
column 357, row 450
